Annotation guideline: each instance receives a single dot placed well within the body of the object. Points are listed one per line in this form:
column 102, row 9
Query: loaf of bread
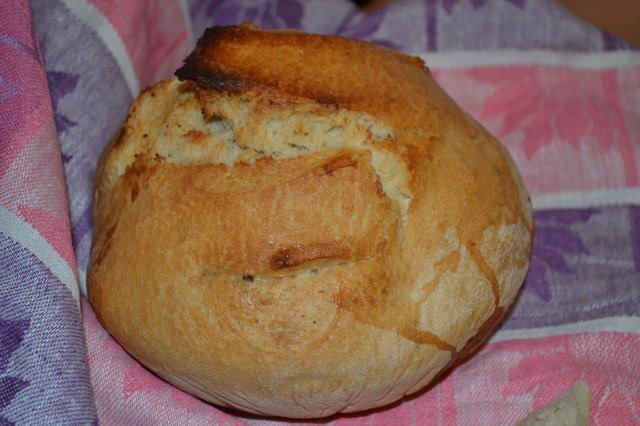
column 298, row 225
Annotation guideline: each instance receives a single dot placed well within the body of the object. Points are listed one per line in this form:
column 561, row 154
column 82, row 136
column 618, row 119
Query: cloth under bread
column 568, row 115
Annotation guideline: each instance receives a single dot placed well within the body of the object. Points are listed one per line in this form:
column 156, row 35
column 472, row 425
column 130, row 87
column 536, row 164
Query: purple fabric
column 554, row 239
column 585, row 262
column 90, row 100
column 583, row 267
column 418, row 25
column 43, row 376
column 43, row 371
column 20, row 39
column 319, row 16
column 634, row 219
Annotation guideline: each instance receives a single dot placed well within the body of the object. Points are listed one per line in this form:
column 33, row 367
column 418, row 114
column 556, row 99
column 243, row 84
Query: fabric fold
column 44, row 377
column 562, row 95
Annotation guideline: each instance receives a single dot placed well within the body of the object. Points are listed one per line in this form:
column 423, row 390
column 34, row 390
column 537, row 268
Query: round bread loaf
column 299, row 225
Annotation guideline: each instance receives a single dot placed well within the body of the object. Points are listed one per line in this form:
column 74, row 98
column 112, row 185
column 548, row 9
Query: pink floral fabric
column 563, row 97
column 499, row 385
column 29, row 141
column 165, row 34
column 557, row 118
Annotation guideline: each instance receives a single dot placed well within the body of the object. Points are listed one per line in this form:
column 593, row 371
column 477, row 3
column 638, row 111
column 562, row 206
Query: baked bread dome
column 299, row 225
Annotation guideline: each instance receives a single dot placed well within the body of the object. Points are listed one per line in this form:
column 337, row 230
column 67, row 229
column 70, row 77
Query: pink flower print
column 400, row 414
column 606, row 361
column 184, row 399
column 546, row 104
column 618, row 409
column 437, row 405
column 157, row 43
column 137, row 379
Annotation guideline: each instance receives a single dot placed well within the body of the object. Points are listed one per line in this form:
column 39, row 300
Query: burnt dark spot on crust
column 201, row 67
column 208, row 67
column 209, row 78
column 247, row 278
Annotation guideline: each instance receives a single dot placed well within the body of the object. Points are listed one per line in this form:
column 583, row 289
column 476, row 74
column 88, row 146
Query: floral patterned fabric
column 563, row 96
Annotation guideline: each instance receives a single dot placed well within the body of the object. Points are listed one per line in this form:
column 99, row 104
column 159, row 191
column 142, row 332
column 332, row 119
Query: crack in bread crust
column 244, row 131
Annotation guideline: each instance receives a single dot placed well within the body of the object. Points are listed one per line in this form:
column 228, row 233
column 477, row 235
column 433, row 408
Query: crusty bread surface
column 298, row 225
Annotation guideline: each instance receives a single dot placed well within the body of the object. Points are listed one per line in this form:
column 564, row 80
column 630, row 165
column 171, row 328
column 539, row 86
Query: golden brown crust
column 341, row 72
column 306, row 225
